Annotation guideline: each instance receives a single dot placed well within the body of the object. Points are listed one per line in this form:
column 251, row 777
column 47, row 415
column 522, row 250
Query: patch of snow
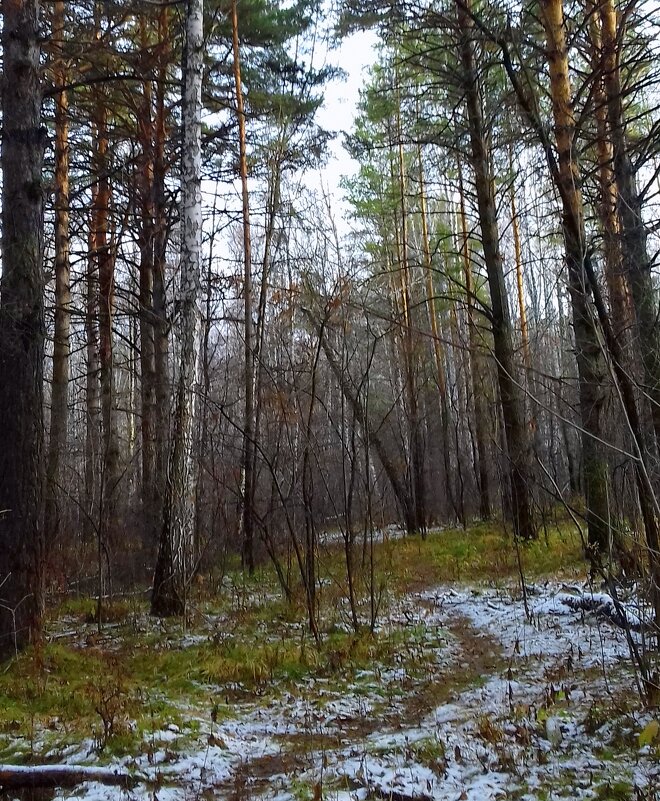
column 523, row 728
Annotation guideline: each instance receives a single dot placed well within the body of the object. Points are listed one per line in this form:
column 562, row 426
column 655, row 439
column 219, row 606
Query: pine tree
column 22, row 331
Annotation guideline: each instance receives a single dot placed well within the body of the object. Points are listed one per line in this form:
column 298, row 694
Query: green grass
column 615, row 791
column 121, row 687
column 119, row 697
column 485, row 552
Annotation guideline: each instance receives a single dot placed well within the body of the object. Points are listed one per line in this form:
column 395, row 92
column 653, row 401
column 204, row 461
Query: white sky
column 354, row 56
column 356, row 53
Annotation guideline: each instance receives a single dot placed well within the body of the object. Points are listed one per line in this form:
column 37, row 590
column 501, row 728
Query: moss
column 66, row 694
column 429, row 751
column 615, row 791
column 52, row 682
column 79, row 608
column 176, row 669
column 301, row 790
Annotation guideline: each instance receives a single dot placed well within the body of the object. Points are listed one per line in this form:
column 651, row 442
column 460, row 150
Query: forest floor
column 458, row 694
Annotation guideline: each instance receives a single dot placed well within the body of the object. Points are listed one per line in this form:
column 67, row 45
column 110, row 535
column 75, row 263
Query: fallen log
column 19, row 776
column 604, row 605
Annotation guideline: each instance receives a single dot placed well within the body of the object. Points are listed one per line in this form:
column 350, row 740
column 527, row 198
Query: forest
column 319, row 487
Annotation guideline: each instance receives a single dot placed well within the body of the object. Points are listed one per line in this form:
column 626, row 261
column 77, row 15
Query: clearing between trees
column 466, row 689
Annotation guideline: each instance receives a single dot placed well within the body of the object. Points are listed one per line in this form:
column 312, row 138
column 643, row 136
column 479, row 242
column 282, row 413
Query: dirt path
column 510, row 709
column 480, row 704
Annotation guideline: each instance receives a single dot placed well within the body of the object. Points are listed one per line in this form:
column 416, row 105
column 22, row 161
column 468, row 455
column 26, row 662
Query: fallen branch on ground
column 604, row 605
column 18, row 776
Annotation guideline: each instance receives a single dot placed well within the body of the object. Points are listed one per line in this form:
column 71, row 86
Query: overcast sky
column 354, row 56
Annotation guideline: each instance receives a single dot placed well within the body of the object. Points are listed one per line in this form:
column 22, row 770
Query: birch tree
column 176, row 552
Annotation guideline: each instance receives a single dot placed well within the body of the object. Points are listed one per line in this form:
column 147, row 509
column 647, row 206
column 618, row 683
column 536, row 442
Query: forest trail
column 481, row 702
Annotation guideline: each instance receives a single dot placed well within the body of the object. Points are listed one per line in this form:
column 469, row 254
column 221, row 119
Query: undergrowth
column 119, row 688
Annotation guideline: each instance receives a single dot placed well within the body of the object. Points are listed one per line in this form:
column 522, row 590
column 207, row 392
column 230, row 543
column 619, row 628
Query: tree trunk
column 517, row 250
column 60, row 386
column 19, row 777
column 174, row 566
column 92, row 395
column 22, row 330
column 248, row 417
column 399, row 487
column 476, row 363
column 591, row 369
column 636, row 261
column 409, row 345
column 150, row 511
column 617, row 288
column 308, row 498
column 159, row 299
column 438, row 354
column 273, row 206
column 517, row 439
column 106, row 275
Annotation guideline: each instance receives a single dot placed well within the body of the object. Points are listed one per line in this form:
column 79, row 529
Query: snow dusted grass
column 457, row 695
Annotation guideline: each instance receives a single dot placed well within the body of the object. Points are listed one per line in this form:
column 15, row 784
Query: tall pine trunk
column 517, row 251
column 150, row 511
column 161, row 416
column 408, row 340
column 22, row 329
column 105, row 259
column 438, row 353
column 636, row 261
column 591, row 368
column 60, row 385
column 247, row 520
column 476, row 363
column 517, row 438
column 92, row 386
column 617, row 288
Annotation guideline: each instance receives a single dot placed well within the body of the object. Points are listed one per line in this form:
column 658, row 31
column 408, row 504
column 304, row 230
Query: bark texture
column 92, row 386
column 247, row 521
column 60, row 386
column 634, row 250
column 22, row 330
column 409, row 346
column 19, row 777
column 174, row 566
column 517, row 438
column 438, row 352
column 159, row 299
column 617, row 288
column 590, row 362
column 476, row 364
column 104, row 255
column 146, row 241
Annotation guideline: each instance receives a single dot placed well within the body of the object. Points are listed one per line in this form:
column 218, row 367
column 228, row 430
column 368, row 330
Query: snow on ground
column 384, row 534
column 489, row 704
